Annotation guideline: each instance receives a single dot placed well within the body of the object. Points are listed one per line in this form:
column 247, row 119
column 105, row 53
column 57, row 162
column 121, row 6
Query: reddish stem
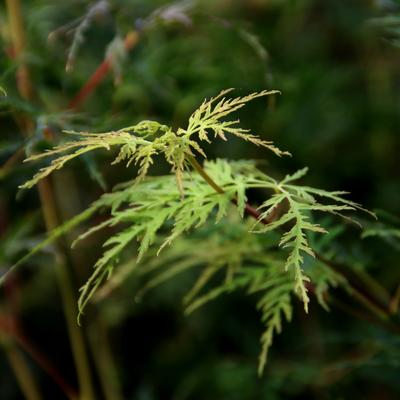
column 101, row 72
column 9, row 327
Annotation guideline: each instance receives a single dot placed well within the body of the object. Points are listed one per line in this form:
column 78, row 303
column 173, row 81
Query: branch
column 367, row 299
column 101, row 72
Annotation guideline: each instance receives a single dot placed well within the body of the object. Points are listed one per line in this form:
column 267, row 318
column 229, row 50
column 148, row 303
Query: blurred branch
column 50, row 212
column 10, row 163
column 11, row 332
column 18, row 39
column 101, row 72
column 104, row 361
column 22, row 372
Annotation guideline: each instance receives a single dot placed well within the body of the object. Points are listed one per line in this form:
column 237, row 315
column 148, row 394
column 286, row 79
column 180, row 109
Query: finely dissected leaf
column 155, row 211
column 208, row 119
column 140, row 143
column 294, row 177
column 274, row 304
column 241, row 263
column 131, row 150
column 149, row 205
column 300, row 201
column 145, row 207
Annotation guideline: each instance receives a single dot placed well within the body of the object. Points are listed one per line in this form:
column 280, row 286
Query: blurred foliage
column 336, row 64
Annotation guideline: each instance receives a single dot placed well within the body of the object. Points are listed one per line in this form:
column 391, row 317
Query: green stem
column 195, row 164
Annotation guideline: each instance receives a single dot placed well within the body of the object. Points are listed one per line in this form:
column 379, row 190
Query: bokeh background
column 337, row 64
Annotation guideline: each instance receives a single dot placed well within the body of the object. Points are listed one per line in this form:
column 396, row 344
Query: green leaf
column 208, row 119
column 140, row 143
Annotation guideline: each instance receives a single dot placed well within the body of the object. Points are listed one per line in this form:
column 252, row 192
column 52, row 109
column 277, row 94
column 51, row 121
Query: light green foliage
column 207, row 118
column 140, row 143
column 146, row 207
column 229, row 258
column 299, row 202
column 132, row 149
column 150, row 208
column 276, row 288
